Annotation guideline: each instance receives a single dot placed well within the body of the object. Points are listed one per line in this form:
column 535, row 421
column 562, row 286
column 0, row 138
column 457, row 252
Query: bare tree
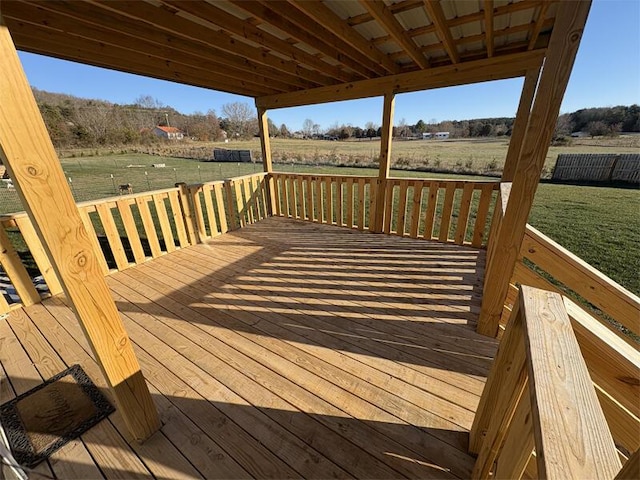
column 241, row 120
column 307, row 127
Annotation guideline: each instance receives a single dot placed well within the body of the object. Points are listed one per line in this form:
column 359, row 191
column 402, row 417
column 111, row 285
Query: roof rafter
column 323, row 34
column 325, row 16
column 434, row 10
column 52, row 15
column 165, row 21
column 390, row 23
column 488, row 26
column 539, row 24
column 245, row 29
column 101, row 55
column 394, row 8
column 265, row 13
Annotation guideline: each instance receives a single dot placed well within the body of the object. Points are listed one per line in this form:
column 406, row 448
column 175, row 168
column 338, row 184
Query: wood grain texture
column 582, row 278
column 571, row 434
column 23, row 138
column 563, row 46
column 520, row 124
column 518, row 444
column 388, row 110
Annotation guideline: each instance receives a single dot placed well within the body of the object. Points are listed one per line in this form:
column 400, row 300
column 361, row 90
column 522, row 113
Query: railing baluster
column 178, row 219
column 149, row 227
column 402, row 208
column 463, row 213
column 222, row 211
column 481, row 217
column 349, row 198
column 131, row 231
column 361, row 184
column 163, row 219
column 447, row 210
column 16, row 271
column 113, row 236
column 416, row 207
column 430, row 213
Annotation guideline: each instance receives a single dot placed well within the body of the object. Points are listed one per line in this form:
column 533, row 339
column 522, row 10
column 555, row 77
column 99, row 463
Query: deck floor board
column 284, row 349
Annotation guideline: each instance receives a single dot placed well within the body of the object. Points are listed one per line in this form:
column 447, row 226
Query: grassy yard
column 477, row 155
column 601, row 225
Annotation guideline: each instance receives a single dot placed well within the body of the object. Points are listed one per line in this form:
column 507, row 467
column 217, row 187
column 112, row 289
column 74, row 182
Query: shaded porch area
column 283, row 349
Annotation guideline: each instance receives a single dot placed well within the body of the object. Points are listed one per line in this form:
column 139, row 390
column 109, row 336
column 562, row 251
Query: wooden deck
column 285, row 349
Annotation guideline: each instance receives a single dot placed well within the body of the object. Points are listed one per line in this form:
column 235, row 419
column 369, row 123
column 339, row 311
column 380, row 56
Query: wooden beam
column 388, row 21
column 244, row 29
column 475, row 71
column 488, row 26
column 266, row 13
column 571, row 434
column 520, row 125
column 385, row 161
column 27, row 152
column 325, row 16
column 539, row 24
column 563, row 46
column 265, row 145
column 436, row 15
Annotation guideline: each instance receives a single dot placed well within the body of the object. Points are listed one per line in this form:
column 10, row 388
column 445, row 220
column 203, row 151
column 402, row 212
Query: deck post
column 385, row 161
column 27, row 152
column 265, row 145
column 520, row 124
column 561, row 54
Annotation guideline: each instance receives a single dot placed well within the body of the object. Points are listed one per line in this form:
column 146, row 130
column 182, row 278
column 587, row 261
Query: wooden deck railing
column 449, row 211
column 539, row 398
column 611, row 352
column 329, row 199
column 131, row 229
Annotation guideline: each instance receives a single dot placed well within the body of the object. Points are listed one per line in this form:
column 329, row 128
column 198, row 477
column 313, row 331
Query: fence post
column 187, row 214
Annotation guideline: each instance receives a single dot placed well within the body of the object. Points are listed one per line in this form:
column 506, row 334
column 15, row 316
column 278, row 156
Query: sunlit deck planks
column 284, row 349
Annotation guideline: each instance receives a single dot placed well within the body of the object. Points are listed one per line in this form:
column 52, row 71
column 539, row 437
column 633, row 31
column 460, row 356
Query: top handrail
column 539, row 396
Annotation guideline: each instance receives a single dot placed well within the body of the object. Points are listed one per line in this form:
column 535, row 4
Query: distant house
column 441, row 135
column 426, row 135
column 170, row 133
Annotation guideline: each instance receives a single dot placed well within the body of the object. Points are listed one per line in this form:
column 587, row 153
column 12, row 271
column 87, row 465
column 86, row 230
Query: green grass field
column 600, row 225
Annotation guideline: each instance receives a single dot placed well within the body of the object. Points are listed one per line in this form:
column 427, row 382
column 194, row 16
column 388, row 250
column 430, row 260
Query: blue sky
column 606, row 73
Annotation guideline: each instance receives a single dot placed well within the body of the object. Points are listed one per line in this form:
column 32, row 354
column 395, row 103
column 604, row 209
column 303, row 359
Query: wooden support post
column 27, row 152
column 563, row 46
column 265, row 145
column 520, row 125
column 385, row 160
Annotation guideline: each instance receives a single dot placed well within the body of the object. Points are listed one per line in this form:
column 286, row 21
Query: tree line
column 77, row 122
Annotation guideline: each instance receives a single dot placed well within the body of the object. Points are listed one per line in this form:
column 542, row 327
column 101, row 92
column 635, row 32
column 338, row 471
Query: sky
column 606, row 73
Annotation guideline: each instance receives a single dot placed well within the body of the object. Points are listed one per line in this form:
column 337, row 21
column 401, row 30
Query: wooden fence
column 598, row 168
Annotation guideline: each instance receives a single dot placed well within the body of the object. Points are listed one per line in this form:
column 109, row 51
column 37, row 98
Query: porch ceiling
column 262, row 48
